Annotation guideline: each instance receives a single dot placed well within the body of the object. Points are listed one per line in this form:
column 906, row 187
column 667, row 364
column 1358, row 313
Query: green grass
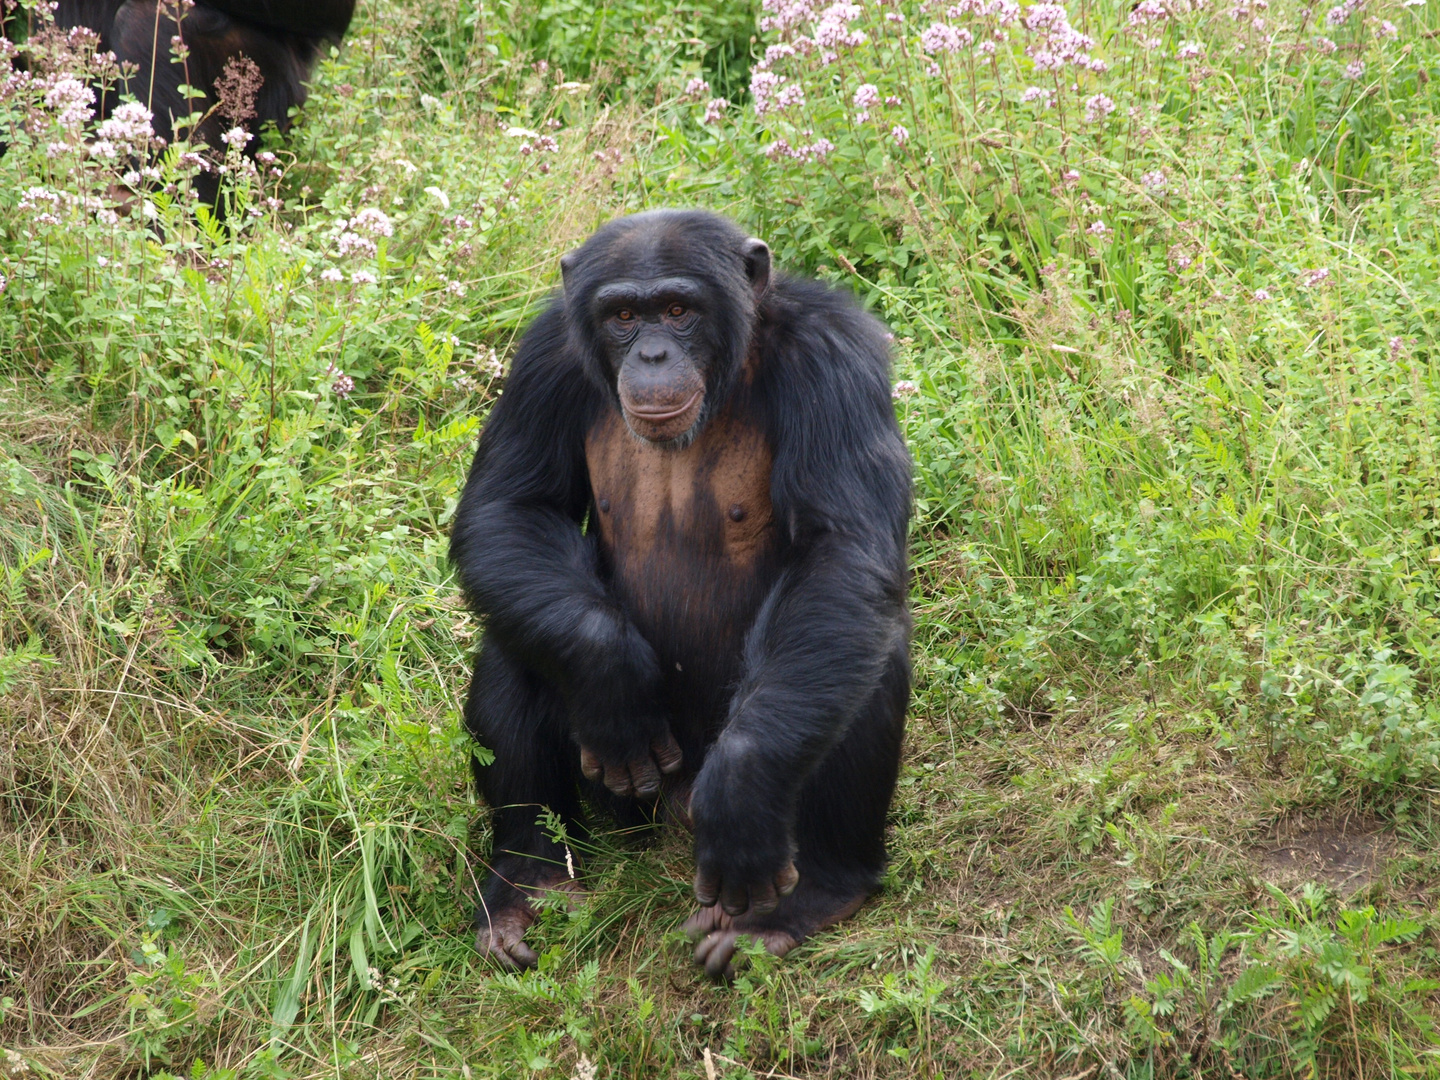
column 1169, row 800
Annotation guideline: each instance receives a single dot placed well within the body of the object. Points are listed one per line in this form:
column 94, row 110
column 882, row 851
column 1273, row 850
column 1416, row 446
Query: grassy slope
column 1175, row 571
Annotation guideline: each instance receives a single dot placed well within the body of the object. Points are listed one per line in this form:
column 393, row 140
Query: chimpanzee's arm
column 817, row 650
column 526, row 566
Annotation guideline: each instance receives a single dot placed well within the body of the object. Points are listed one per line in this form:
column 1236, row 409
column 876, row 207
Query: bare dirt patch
column 1346, row 855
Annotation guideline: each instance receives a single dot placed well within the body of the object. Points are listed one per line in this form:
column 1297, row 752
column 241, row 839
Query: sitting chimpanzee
column 282, row 40
column 685, row 528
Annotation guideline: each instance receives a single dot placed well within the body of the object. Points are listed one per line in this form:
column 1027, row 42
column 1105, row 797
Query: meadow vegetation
column 1162, row 278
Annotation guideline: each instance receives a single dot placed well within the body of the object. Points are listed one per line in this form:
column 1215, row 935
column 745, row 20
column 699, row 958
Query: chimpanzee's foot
column 501, row 933
column 806, row 911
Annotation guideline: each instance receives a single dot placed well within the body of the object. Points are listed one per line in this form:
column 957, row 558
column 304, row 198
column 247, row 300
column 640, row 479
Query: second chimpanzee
column 281, row 39
column 685, row 527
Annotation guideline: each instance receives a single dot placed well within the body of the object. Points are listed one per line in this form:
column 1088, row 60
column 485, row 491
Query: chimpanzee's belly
column 689, row 542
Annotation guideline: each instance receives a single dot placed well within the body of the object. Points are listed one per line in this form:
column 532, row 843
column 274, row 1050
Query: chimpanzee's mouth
column 659, row 416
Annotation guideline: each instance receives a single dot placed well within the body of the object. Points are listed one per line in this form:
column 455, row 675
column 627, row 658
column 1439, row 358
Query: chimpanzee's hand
column 624, row 737
column 744, row 854
column 638, row 776
column 744, row 891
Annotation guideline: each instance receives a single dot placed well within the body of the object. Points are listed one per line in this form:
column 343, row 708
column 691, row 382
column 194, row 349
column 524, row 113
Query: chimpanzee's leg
column 521, row 719
column 839, row 833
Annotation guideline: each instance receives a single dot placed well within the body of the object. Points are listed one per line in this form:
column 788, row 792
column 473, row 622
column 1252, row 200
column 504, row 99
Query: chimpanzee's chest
column 688, row 539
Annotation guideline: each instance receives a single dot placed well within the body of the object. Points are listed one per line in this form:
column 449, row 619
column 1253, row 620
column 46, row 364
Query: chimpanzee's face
column 664, row 304
column 655, row 334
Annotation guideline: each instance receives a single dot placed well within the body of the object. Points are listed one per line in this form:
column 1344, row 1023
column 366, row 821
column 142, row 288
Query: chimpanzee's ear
column 757, row 265
column 567, row 267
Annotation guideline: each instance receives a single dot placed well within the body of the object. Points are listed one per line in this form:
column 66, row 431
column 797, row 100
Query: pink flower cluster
column 1147, row 12
column 1097, row 108
column 1340, row 13
column 1060, row 43
column 373, row 221
column 71, row 99
column 830, row 30
column 42, row 204
column 786, row 14
column 773, row 93
column 128, row 126
column 944, row 38
column 818, row 150
column 713, row 109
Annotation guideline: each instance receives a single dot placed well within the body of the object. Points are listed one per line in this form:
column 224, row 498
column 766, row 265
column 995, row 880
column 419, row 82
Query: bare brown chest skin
column 689, row 541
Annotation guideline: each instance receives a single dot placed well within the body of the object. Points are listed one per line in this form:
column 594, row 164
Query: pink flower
column 331, row 274
column 1043, row 95
column 343, row 385
column 790, row 95
column 776, row 52
column 1100, row 229
column 697, row 88
column 1355, row 69
column 900, row 134
column 1312, row 278
column 763, row 87
column 1260, row 295
column 941, row 37
column 354, row 244
column 1097, row 108
column 786, row 14
column 1148, row 11
column 373, row 221
column 1325, row 46
column 904, row 389
column 1189, row 50
column 832, row 29
column 71, row 99
column 1156, row 181
column 713, row 109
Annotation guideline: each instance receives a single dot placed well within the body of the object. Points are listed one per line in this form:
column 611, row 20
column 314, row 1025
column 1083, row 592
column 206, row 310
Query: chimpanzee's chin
column 670, row 433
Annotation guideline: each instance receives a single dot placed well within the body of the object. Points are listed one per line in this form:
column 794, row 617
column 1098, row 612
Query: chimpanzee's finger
column 667, row 752
column 734, row 898
column 707, row 888
column 787, row 879
column 716, row 951
column 763, row 899
column 645, row 777
column 617, row 779
column 590, row 764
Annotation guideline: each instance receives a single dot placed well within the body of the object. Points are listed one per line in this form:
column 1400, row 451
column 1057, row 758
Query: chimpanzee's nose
column 654, row 351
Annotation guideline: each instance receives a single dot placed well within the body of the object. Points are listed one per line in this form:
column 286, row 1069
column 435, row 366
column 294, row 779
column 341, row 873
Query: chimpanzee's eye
column 624, row 315
column 676, row 311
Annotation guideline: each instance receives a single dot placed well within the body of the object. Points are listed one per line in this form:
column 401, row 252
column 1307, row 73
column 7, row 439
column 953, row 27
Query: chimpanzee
column 281, row 39
column 685, row 528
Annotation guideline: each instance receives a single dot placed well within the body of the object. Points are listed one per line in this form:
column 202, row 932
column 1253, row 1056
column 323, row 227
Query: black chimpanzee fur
column 769, row 638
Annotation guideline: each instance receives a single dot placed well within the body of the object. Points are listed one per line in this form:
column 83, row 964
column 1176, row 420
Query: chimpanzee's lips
column 661, row 415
